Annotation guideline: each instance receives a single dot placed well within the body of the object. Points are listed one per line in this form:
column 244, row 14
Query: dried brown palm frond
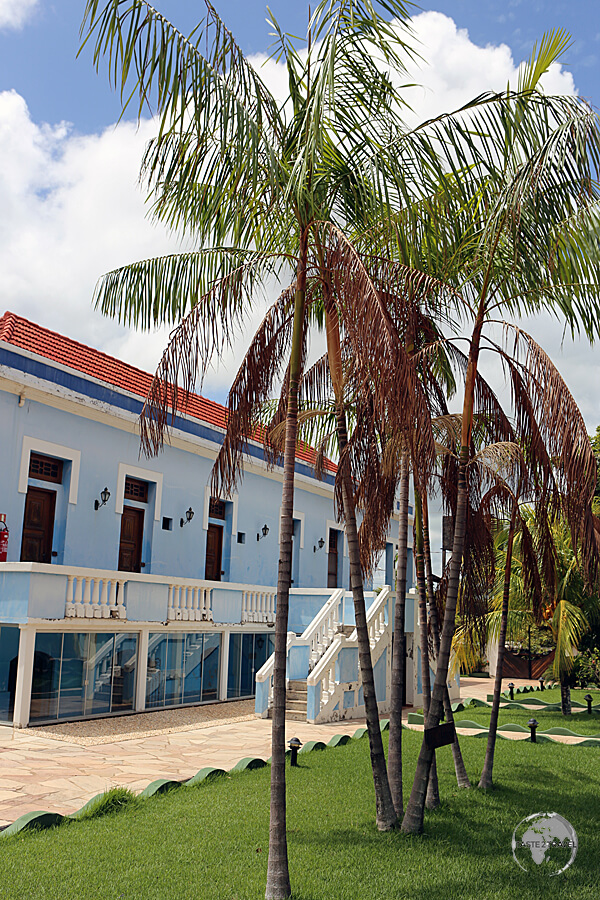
column 380, row 358
column 252, row 386
column 559, row 425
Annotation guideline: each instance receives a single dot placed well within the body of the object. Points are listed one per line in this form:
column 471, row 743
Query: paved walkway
column 60, row 775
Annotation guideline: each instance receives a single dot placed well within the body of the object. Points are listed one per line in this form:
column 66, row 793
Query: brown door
column 130, row 546
column 214, row 549
column 38, row 526
column 332, row 559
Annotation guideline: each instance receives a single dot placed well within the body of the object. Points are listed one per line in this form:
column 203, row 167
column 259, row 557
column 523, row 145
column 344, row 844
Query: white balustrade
column 94, row 596
column 189, row 603
column 321, row 631
column 258, row 606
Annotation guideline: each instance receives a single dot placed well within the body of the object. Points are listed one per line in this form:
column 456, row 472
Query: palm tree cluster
column 408, row 247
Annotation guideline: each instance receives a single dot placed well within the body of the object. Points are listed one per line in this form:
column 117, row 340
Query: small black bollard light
column 533, row 724
column 541, row 684
column 511, row 688
column 294, row 745
column 588, row 699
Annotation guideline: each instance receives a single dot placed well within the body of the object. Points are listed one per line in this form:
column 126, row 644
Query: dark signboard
column 440, row 735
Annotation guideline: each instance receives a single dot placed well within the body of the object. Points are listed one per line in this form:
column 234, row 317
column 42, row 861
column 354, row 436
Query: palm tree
column 524, row 241
column 231, row 166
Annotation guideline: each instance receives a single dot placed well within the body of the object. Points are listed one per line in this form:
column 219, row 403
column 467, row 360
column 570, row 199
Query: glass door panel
column 71, row 701
column 124, row 672
column 157, row 661
column 46, row 676
column 99, row 674
column 210, row 667
column 192, row 668
column 174, row 671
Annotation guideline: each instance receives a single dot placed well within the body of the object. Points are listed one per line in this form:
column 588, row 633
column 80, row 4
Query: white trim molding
column 144, row 475
column 39, row 446
column 300, row 516
column 233, row 499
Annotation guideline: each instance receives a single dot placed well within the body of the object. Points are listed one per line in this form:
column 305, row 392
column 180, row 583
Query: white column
column 224, row 665
column 24, row 677
column 142, row 671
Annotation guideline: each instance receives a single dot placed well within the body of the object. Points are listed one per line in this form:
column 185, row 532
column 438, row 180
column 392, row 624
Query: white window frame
column 126, row 469
column 36, row 445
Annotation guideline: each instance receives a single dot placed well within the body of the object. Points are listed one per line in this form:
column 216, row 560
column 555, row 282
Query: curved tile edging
column 41, row 820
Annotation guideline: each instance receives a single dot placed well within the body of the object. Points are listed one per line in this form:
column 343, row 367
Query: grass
column 210, row 842
column 580, row 723
column 553, row 695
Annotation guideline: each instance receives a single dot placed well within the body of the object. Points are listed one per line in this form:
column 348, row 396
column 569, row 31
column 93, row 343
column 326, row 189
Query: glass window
column 9, row 655
column 99, row 673
column 246, row 679
column 157, row 661
column 235, row 661
column 72, row 676
column 192, row 685
column 174, row 670
column 124, row 672
column 210, row 667
column 46, row 676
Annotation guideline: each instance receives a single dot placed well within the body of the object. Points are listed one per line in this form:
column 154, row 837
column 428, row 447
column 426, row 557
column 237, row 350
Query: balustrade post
column 104, row 599
column 96, row 598
column 69, row 602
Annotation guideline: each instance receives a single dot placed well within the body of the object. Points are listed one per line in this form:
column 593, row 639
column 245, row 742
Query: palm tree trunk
column 385, row 814
column 278, row 878
column 414, row 815
column 433, row 798
column 462, row 779
column 565, row 698
column 486, row 775
column 398, row 651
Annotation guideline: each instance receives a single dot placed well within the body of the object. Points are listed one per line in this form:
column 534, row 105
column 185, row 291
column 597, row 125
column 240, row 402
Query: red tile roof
column 52, row 345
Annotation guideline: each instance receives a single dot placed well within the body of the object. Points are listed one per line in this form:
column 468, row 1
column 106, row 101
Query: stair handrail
column 375, row 609
column 340, row 640
column 319, row 633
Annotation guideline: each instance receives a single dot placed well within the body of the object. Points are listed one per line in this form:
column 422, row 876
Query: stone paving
column 60, row 773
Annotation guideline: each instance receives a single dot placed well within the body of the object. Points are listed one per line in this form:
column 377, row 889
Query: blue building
column 126, row 585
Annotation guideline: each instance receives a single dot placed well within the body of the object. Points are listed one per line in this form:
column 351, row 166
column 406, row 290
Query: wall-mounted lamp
column 264, row 532
column 320, row 544
column 104, row 496
column 189, row 515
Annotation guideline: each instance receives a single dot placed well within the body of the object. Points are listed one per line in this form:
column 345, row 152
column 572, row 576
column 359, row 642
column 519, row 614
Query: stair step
column 295, row 715
column 297, row 685
column 296, row 705
column 347, row 629
column 296, row 695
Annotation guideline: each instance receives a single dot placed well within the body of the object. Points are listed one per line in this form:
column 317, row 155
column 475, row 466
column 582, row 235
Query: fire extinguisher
column 3, row 538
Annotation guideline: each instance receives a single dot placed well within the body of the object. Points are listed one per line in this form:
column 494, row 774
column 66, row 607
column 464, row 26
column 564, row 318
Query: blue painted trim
column 113, row 397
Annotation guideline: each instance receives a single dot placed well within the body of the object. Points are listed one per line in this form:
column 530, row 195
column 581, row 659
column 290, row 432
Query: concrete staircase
column 295, row 704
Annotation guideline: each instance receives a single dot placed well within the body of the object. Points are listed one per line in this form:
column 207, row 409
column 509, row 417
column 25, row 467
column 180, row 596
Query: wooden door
column 38, row 526
column 214, row 551
column 130, row 545
column 332, row 559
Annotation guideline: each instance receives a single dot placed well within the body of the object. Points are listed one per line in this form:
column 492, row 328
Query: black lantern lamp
column 511, row 688
column 189, row 515
column 263, row 532
column 532, row 725
column 588, row 699
column 542, row 683
column 320, row 544
column 104, row 496
column 294, row 745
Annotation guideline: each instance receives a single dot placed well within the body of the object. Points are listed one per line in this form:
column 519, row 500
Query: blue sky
column 71, row 204
column 39, row 60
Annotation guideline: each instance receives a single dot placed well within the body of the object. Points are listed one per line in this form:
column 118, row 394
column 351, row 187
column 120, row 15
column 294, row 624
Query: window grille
column 46, row 468
column 136, row 490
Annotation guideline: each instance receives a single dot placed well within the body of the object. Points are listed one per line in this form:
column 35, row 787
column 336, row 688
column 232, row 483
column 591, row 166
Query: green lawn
column 211, row 841
column 553, row 695
column 580, row 723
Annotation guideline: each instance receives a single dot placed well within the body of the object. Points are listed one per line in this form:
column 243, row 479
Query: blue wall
column 85, row 537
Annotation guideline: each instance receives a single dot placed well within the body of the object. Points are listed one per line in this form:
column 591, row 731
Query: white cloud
column 73, row 209
column 14, row 13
